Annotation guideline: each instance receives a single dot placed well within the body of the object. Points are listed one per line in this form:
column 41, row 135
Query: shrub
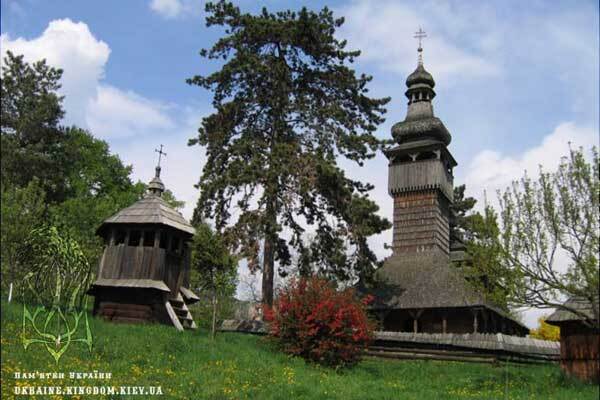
column 311, row 319
column 545, row 331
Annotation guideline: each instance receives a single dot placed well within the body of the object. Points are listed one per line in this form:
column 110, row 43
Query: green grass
column 189, row 365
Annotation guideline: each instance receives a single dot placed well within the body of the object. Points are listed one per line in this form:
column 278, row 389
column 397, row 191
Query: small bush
column 311, row 319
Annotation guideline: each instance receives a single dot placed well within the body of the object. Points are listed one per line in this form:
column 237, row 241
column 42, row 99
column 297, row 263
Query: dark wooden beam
column 485, row 315
column 415, row 314
column 113, row 235
column 157, row 236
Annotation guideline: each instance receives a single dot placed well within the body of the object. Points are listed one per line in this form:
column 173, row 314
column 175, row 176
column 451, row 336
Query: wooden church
column 420, row 289
column 144, row 272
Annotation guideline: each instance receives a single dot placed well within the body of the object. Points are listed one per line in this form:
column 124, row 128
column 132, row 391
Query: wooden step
column 181, row 313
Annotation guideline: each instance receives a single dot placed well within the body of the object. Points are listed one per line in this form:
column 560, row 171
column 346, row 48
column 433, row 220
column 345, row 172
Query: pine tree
column 287, row 106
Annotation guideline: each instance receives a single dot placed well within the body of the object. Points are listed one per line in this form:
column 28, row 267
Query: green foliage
column 550, row 234
column 287, row 105
column 461, row 214
column 480, row 234
column 30, row 112
column 58, row 271
column 188, row 365
column 169, row 197
column 486, row 269
column 213, row 268
column 203, row 310
column 99, row 186
column 22, row 211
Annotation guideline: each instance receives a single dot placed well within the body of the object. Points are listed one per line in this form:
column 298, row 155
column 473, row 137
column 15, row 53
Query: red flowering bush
column 311, row 319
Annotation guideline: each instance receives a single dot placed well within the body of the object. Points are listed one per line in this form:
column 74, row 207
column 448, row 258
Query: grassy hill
column 189, row 365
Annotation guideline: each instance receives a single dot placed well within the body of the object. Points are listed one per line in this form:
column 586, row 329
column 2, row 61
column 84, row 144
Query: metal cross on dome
column 420, row 34
column 160, row 153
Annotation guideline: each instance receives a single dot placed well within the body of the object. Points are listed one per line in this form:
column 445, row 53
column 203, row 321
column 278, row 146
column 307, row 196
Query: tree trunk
column 213, row 330
column 268, row 272
column 269, row 252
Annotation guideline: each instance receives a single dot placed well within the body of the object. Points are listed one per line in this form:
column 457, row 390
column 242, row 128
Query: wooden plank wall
column 420, row 222
column 129, row 262
column 419, row 175
column 580, row 352
column 142, row 262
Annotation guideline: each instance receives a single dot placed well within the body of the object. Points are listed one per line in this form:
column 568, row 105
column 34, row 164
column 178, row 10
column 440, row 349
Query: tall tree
column 550, row 235
column 31, row 110
column 214, row 269
column 287, row 106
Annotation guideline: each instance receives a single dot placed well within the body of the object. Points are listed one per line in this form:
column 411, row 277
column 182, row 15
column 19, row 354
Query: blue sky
column 516, row 81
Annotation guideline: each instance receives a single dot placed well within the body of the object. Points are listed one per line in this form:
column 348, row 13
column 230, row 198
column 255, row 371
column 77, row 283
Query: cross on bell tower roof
column 420, row 34
column 156, row 187
column 160, row 153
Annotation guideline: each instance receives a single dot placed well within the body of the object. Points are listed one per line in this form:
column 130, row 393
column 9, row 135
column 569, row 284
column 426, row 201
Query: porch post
column 157, row 238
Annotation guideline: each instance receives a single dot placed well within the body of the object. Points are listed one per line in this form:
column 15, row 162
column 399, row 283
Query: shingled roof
column 578, row 304
column 152, row 209
column 426, row 280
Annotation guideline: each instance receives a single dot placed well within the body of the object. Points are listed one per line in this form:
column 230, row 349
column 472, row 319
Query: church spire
column 420, row 85
column 420, row 122
column 156, row 187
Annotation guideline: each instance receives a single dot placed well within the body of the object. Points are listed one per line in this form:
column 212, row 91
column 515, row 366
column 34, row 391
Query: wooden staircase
column 180, row 314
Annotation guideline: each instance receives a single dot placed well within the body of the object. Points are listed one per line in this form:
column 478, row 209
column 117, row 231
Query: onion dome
column 420, row 76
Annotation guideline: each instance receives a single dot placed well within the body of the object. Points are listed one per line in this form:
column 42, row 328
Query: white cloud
column 167, row 8
column 380, row 30
column 172, row 9
column 107, row 111
column 475, row 39
column 491, row 171
column 182, row 165
column 72, row 47
column 116, row 113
